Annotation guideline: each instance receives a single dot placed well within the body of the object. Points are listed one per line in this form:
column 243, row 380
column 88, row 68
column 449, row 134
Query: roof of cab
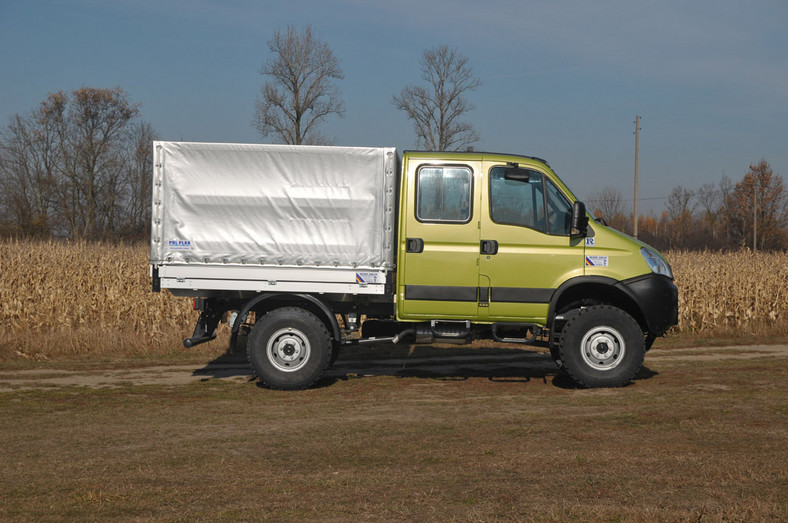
column 472, row 155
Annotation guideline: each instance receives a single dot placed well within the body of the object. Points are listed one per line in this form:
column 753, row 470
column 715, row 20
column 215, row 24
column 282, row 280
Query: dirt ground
column 399, row 434
column 479, row 363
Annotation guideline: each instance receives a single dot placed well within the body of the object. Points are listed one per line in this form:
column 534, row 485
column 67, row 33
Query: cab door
column 526, row 227
column 438, row 262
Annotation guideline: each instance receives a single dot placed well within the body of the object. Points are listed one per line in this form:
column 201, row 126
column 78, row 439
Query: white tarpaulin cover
column 273, row 205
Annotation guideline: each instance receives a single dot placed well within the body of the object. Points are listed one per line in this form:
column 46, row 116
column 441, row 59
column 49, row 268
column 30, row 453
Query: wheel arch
column 594, row 290
column 270, row 301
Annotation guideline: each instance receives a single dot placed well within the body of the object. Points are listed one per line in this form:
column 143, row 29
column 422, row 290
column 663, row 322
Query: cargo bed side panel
column 303, row 206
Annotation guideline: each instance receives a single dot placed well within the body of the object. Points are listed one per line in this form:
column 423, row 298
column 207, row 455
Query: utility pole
column 637, row 145
column 754, row 213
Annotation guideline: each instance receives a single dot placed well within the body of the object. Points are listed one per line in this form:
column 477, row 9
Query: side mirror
column 579, row 219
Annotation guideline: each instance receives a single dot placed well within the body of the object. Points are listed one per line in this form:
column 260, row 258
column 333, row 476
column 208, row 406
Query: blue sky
column 562, row 80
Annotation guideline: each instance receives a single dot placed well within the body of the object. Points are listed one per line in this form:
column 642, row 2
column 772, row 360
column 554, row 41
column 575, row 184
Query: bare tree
column 27, row 176
column 138, row 179
column 679, row 203
column 78, row 166
column 95, row 129
column 608, row 204
column 679, row 207
column 709, row 198
column 438, row 109
column 300, row 94
column 726, row 187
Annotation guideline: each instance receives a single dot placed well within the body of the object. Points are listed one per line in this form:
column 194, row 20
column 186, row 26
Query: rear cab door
column 438, row 257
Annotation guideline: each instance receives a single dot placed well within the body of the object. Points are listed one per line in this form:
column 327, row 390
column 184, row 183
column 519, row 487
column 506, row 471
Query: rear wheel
column 289, row 349
column 602, row 346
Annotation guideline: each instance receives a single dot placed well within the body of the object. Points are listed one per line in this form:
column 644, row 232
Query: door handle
column 414, row 245
column 488, row 247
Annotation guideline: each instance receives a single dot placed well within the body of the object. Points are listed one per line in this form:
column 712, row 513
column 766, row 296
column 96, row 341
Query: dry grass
column 685, row 442
column 84, row 299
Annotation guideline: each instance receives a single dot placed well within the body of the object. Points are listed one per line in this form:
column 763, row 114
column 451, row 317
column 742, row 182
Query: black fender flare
column 328, row 315
column 574, row 282
column 651, row 299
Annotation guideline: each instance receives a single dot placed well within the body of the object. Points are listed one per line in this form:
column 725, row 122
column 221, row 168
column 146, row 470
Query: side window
column 516, row 202
column 523, row 203
column 443, row 194
column 559, row 211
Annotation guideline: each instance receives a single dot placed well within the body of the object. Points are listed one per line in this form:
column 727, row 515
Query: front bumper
column 658, row 299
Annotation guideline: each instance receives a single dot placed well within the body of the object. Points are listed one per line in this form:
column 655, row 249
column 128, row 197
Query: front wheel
column 289, row 349
column 602, row 346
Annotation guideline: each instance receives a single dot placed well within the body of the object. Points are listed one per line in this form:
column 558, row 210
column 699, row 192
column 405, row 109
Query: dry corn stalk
column 736, row 290
column 48, row 286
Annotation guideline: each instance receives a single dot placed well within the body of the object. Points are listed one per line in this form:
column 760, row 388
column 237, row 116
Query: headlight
column 656, row 262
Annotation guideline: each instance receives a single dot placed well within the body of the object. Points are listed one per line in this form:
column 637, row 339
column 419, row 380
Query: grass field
column 699, row 436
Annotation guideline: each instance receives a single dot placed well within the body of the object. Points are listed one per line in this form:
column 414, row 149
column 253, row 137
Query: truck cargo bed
column 248, row 217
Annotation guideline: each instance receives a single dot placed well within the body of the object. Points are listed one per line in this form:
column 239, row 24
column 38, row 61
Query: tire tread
column 635, row 344
column 302, row 315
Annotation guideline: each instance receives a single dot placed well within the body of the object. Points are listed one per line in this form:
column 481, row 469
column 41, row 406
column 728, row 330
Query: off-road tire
column 555, row 353
column 289, row 349
column 334, row 353
column 602, row 346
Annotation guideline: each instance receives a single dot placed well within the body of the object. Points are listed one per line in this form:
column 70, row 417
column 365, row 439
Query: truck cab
column 483, row 237
column 496, row 240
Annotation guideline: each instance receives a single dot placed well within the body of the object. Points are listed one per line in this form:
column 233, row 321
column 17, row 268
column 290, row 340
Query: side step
column 444, row 331
column 504, row 332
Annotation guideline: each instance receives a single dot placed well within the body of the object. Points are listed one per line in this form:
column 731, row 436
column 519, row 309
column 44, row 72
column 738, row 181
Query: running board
column 531, row 331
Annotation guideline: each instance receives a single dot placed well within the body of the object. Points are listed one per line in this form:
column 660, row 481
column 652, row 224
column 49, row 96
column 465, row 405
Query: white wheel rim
column 288, row 349
column 603, row 348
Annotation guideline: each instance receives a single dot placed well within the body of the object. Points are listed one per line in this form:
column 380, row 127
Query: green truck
column 305, row 249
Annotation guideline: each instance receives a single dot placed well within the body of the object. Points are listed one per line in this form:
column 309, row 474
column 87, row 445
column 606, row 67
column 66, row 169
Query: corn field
column 64, row 298
column 71, row 285
column 723, row 292
column 96, row 298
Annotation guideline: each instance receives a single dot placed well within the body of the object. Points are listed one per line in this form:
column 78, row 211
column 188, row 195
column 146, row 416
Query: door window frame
column 545, row 180
column 469, row 194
